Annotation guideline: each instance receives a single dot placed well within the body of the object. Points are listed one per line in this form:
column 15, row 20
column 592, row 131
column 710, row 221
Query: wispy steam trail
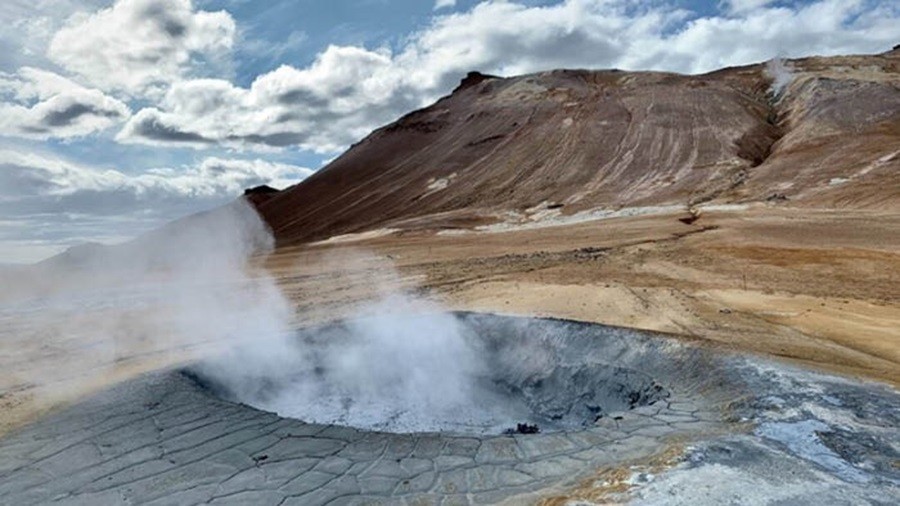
column 186, row 291
column 781, row 74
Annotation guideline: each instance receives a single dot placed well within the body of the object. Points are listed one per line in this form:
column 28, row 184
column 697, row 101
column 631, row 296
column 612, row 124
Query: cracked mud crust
column 163, row 439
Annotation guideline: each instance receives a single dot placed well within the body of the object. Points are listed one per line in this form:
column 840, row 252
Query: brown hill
column 577, row 140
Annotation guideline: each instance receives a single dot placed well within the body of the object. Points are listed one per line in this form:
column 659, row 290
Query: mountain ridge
column 582, row 140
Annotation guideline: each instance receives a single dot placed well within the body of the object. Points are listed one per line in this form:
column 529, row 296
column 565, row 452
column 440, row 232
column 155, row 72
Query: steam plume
column 781, row 74
column 77, row 322
column 190, row 293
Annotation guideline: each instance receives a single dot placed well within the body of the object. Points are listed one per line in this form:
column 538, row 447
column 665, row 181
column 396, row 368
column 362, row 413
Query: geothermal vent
column 464, row 374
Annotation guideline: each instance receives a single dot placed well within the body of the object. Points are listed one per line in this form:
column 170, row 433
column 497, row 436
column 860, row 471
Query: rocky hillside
column 816, row 132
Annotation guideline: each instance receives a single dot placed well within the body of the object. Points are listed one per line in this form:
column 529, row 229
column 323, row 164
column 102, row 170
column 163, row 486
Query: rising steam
column 193, row 292
column 781, row 75
column 396, row 363
column 83, row 320
column 401, row 365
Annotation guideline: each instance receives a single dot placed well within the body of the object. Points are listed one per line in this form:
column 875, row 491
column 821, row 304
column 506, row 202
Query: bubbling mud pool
column 492, row 375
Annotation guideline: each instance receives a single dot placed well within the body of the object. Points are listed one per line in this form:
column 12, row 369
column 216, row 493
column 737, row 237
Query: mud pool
column 749, row 431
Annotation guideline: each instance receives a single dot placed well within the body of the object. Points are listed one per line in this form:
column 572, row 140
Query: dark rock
column 473, row 78
column 260, row 190
column 524, row 428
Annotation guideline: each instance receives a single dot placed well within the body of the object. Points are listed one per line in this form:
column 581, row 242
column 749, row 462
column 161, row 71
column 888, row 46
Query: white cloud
column 215, row 177
column 348, row 91
column 826, row 27
column 444, row 4
column 28, row 26
column 321, row 108
column 49, row 203
column 30, row 176
column 47, row 105
column 141, row 46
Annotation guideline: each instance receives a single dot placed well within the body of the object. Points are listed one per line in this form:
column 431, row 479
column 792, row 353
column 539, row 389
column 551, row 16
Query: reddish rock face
column 587, row 139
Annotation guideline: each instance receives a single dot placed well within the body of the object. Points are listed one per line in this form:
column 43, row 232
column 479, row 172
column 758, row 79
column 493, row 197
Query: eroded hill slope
column 575, row 140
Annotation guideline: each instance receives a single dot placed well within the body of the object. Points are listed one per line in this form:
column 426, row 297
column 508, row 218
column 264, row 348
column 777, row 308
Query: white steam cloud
column 194, row 292
column 395, row 363
column 101, row 314
column 781, row 75
column 400, row 365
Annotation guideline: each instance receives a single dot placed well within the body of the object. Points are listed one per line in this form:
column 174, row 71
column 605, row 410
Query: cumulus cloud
column 348, row 90
column 46, row 105
column 224, row 176
column 335, row 101
column 49, row 203
column 444, row 4
column 29, row 25
column 141, row 46
column 34, row 183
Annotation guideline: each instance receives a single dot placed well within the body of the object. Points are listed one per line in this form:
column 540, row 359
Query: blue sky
column 118, row 115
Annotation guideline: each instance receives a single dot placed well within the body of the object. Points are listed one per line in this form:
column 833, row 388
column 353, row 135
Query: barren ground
column 814, row 287
column 811, row 286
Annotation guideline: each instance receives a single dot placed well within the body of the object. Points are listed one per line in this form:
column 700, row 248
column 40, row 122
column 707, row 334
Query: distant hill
column 222, row 238
column 575, row 140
